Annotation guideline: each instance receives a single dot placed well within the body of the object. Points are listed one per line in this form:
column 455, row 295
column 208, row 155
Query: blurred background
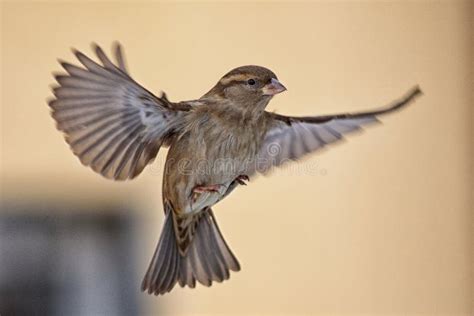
column 380, row 225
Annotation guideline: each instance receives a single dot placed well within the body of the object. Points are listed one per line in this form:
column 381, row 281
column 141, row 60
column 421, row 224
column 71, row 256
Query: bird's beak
column 272, row 88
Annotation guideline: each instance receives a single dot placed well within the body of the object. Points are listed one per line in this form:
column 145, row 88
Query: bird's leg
column 242, row 178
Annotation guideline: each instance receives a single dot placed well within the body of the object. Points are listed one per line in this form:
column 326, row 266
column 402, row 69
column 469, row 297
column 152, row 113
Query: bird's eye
column 251, row 82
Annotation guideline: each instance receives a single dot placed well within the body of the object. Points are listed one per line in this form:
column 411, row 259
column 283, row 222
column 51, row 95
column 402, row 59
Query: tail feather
column 199, row 264
column 157, row 271
column 215, row 265
column 227, row 256
column 186, row 275
column 208, row 258
column 169, row 276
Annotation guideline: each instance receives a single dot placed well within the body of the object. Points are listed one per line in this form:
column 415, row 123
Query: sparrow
column 216, row 143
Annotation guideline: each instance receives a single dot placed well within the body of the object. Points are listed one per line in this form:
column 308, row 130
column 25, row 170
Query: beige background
column 380, row 225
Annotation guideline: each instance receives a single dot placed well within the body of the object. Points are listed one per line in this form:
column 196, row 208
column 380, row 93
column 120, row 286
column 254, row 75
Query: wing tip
column 63, row 63
column 415, row 92
column 403, row 102
column 97, row 49
column 116, row 45
column 75, row 51
column 50, row 101
column 417, row 89
column 94, row 45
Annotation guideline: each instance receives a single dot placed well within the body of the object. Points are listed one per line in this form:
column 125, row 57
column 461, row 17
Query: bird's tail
column 206, row 259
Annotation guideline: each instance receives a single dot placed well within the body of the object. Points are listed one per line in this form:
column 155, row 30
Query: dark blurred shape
column 67, row 263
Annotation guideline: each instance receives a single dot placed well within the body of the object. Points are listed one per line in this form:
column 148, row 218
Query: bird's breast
column 229, row 149
column 225, row 146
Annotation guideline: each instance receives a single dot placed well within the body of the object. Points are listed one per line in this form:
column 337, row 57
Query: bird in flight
column 116, row 127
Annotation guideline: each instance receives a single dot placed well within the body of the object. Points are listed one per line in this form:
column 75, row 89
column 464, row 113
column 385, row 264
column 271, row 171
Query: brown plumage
column 117, row 127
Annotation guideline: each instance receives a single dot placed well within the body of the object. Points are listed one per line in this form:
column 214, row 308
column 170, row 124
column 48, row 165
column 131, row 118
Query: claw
column 242, row 178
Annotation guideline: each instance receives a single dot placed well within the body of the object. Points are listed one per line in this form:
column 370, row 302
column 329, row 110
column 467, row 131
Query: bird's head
column 248, row 87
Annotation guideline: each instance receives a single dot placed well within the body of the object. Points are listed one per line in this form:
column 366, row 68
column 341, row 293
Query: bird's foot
column 242, row 178
column 198, row 190
column 207, row 188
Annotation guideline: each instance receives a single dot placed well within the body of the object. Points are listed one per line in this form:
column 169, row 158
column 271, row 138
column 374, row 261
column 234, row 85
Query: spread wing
column 111, row 123
column 290, row 138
